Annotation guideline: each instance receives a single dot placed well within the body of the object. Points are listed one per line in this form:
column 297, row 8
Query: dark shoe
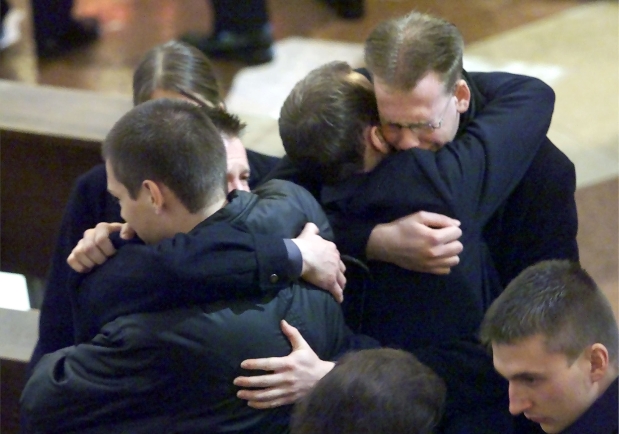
column 77, row 34
column 252, row 48
column 348, row 9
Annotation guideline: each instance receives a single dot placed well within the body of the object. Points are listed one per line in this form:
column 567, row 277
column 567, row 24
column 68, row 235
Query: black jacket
column 90, row 203
column 172, row 371
column 538, row 221
column 437, row 317
column 602, row 417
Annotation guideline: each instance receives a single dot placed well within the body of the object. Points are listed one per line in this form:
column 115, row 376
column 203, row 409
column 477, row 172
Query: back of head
column 401, row 51
column 173, row 142
column 322, row 121
column 370, row 392
column 558, row 300
column 227, row 123
column 174, row 65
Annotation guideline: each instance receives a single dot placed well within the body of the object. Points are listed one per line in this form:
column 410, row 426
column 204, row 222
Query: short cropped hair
column 322, row 120
column 558, row 300
column 174, row 65
column 401, row 51
column 373, row 391
column 173, row 142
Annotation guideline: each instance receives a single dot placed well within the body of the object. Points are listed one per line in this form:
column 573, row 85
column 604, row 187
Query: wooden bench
column 18, row 335
column 48, row 137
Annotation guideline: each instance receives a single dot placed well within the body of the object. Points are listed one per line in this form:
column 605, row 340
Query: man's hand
column 96, row 247
column 321, row 262
column 291, row 378
column 425, row 242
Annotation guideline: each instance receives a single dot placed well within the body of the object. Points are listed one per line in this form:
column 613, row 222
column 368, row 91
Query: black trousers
column 50, row 18
column 4, row 9
column 240, row 16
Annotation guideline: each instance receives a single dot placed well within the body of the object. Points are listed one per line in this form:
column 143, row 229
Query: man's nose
column 518, row 401
column 408, row 140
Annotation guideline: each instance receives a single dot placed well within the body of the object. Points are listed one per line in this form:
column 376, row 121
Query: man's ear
column 463, row 96
column 598, row 357
column 376, row 140
column 155, row 194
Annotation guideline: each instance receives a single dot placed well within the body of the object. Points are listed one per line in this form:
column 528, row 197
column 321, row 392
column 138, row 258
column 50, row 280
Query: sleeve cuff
column 273, row 267
column 295, row 259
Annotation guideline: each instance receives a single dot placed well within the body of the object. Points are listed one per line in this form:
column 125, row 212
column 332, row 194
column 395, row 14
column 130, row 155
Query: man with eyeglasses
column 417, row 111
column 331, row 124
column 528, row 227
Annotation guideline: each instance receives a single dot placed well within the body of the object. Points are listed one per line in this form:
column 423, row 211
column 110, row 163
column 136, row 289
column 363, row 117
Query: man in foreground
column 171, row 371
column 554, row 337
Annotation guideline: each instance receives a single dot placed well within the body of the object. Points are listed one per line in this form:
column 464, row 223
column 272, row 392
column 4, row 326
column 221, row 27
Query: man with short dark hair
column 171, row 370
column 554, row 337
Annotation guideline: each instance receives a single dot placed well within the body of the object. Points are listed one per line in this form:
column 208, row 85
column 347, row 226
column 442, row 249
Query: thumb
column 309, row 229
column 293, row 335
column 103, row 231
column 127, row 232
column 435, row 220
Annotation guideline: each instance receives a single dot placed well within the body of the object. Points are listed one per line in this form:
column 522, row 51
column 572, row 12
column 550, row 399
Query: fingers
column 273, row 391
column 338, row 293
column 94, row 248
column 267, row 391
column 285, row 399
column 444, row 251
column 443, row 264
column 293, row 335
column 81, row 264
column 341, row 277
column 445, row 235
column 338, row 288
column 127, row 232
column 435, row 220
column 268, row 398
column 267, row 364
column 309, row 229
column 101, row 239
column 259, row 381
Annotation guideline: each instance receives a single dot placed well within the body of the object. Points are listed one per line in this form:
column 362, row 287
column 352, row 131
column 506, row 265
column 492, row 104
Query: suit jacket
column 90, row 203
column 437, row 317
column 537, row 222
column 468, row 179
column 172, row 371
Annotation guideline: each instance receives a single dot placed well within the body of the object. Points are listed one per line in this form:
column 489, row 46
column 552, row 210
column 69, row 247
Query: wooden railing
column 48, row 137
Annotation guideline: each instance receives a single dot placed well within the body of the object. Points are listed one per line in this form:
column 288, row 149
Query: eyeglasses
column 391, row 131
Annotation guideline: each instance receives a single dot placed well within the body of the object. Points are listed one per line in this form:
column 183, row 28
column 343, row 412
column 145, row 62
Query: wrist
column 376, row 247
column 323, row 368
